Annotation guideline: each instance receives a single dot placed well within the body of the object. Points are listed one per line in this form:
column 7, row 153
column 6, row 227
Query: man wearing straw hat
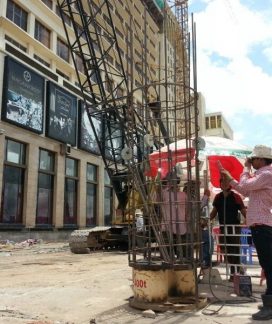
column 258, row 187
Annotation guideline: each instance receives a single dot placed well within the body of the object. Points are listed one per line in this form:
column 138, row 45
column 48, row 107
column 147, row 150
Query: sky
column 234, row 64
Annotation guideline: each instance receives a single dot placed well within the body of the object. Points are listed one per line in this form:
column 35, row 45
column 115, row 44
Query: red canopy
column 165, row 161
column 230, row 163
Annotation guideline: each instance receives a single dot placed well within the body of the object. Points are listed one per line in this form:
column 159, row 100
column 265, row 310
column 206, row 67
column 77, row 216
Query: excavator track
column 84, row 240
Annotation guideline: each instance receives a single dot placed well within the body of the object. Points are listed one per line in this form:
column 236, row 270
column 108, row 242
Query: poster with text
column 61, row 115
column 23, row 96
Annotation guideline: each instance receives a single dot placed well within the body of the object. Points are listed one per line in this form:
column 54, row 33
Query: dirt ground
column 46, row 284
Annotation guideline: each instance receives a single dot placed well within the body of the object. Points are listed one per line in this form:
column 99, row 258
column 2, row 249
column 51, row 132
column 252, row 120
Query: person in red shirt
column 258, row 187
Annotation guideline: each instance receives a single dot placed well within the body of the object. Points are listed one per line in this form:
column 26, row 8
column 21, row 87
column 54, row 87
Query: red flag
column 229, row 163
column 165, row 161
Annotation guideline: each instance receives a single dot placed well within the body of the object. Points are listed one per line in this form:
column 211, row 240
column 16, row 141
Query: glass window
column 13, row 183
column 42, row 34
column 79, row 63
column 62, row 50
column 91, row 172
column 70, row 195
column 17, row 14
column 45, row 188
column 107, row 180
column 48, row 3
column 207, row 122
column 12, row 195
column 219, row 121
column 44, row 199
column 15, row 43
column 41, row 60
column 108, row 200
column 71, row 167
column 108, row 206
column 213, row 121
column 15, row 152
column 66, row 18
column 70, row 202
column 91, row 195
column 62, row 74
column 46, row 160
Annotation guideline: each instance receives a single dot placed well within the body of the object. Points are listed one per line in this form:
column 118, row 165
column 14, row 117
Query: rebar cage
column 144, row 120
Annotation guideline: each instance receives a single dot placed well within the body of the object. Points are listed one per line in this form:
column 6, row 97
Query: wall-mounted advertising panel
column 23, row 96
column 87, row 140
column 61, row 121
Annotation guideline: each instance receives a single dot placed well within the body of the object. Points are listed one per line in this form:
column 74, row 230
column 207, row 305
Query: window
column 207, row 122
column 64, row 76
column 108, row 199
column 119, row 92
column 117, row 14
column 14, row 42
column 45, row 188
column 66, row 18
column 108, row 37
column 107, row 19
column 109, row 85
column 139, row 11
column 121, row 52
column 118, row 66
column 80, row 31
column 48, row 3
column 109, row 58
column 137, row 83
column 17, row 14
column 91, row 195
column 79, row 63
column 62, row 50
column 70, row 192
column 213, row 121
column 42, row 34
column 139, row 56
column 13, row 183
column 152, row 57
column 152, row 43
column 137, row 24
column 41, row 60
column 219, row 121
column 119, row 33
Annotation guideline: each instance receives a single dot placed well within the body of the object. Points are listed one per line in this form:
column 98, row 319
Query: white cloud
column 230, row 30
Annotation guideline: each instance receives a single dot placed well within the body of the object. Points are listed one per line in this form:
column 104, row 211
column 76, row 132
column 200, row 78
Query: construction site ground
column 44, row 283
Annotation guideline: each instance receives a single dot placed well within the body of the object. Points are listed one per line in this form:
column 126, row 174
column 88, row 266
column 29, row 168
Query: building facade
column 52, row 176
column 217, row 125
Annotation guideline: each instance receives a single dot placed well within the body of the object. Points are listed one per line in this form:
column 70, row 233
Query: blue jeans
column 262, row 239
column 207, row 247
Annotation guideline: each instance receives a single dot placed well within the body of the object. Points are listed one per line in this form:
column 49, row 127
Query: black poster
column 87, row 140
column 113, row 138
column 23, row 96
column 61, row 115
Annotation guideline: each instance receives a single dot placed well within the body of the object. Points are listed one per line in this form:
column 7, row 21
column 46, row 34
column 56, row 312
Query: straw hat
column 261, row 151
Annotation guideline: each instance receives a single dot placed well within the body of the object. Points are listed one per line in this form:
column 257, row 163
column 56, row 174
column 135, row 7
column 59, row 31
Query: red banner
column 165, row 161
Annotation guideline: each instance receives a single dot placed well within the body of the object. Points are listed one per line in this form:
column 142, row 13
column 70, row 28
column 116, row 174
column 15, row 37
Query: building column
column 81, row 200
column 30, row 187
column 58, row 205
column 101, row 191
